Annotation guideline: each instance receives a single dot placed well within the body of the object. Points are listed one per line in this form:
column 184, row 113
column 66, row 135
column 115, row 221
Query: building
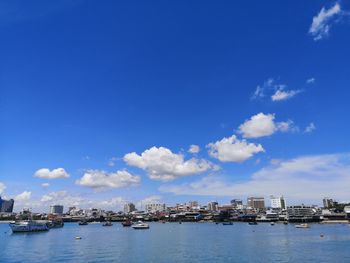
column 328, row 202
column 129, row 207
column 302, row 213
column 237, row 203
column 256, row 202
column 154, row 207
column 278, row 202
column 6, row 206
column 56, row 209
column 213, row 206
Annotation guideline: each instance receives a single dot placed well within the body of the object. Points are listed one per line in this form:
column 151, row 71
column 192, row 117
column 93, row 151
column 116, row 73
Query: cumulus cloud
column 282, row 94
column 310, row 128
column 149, row 200
column 301, row 179
column 2, row 188
column 164, row 165
column 23, row 197
column 101, row 180
column 194, row 149
column 233, row 150
column 261, row 125
column 321, row 23
column 112, row 161
column 54, row 174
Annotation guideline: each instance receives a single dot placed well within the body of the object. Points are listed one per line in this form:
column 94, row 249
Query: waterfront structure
column 301, row 213
column 155, row 207
column 278, row 202
column 129, row 208
column 237, row 203
column 256, row 202
column 328, row 202
column 56, row 209
column 6, row 206
column 213, row 206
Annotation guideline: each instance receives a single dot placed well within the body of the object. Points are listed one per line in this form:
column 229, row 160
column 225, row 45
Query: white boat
column 28, row 226
column 140, row 225
column 302, row 226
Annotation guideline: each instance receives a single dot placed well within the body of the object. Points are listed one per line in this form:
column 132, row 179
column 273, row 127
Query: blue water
column 172, row 242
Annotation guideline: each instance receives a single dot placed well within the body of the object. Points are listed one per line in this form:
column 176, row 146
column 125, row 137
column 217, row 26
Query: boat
column 127, row 223
column 302, row 226
column 285, row 223
column 107, row 223
column 140, row 225
column 252, row 223
column 83, row 223
column 227, row 223
column 272, row 223
column 28, row 226
column 55, row 224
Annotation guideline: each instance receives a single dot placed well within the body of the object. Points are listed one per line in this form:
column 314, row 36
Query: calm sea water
column 172, row 242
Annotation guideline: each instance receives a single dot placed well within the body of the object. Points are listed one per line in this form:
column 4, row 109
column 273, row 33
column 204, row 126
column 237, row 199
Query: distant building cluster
column 6, row 206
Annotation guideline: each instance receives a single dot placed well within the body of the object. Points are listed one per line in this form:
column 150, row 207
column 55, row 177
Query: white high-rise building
column 278, row 202
column 129, row 207
column 155, row 207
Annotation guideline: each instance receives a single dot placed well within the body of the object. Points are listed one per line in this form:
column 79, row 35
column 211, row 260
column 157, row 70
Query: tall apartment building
column 278, row 202
column 256, row 202
column 129, row 207
column 56, row 209
column 6, row 206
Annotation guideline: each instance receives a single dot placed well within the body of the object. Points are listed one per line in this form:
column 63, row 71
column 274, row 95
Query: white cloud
column 149, row 200
column 310, row 81
column 54, row 174
column 321, row 23
column 233, row 150
column 310, row 128
column 164, row 165
column 45, row 185
column 261, row 89
column 2, row 188
column 307, row 178
column 194, row 149
column 101, row 180
column 261, row 125
column 282, row 94
column 112, row 161
column 23, row 197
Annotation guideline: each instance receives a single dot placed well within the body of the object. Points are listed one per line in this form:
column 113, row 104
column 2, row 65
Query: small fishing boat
column 127, row 223
column 83, row 223
column 140, row 225
column 227, row 223
column 285, row 223
column 252, row 223
column 107, row 223
column 272, row 223
column 302, row 226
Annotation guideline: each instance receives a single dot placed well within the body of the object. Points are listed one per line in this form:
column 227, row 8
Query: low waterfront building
column 56, row 209
column 6, row 206
column 302, row 213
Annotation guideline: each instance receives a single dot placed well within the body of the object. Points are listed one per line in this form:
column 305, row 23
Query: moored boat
column 252, row 223
column 140, row 225
column 83, row 223
column 302, row 226
column 108, row 223
column 127, row 223
column 227, row 223
column 28, row 226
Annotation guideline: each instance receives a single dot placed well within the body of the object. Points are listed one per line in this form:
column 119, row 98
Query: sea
column 174, row 242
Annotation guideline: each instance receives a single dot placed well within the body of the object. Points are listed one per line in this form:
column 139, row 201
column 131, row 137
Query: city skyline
column 170, row 103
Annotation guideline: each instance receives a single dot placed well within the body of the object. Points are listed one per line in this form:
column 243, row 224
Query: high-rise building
column 278, row 202
column 56, row 209
column 213, row 206
column 328, row 202
column 129, row 207
column 237, row 203
column 256, row 202
column 6, row 206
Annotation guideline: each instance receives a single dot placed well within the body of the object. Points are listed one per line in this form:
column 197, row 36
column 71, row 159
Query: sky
column 103, row 103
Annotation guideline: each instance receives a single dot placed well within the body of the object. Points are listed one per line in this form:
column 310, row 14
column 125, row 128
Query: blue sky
column 100, row 102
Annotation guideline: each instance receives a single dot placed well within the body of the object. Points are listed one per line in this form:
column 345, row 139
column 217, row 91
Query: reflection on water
column 172, row 242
